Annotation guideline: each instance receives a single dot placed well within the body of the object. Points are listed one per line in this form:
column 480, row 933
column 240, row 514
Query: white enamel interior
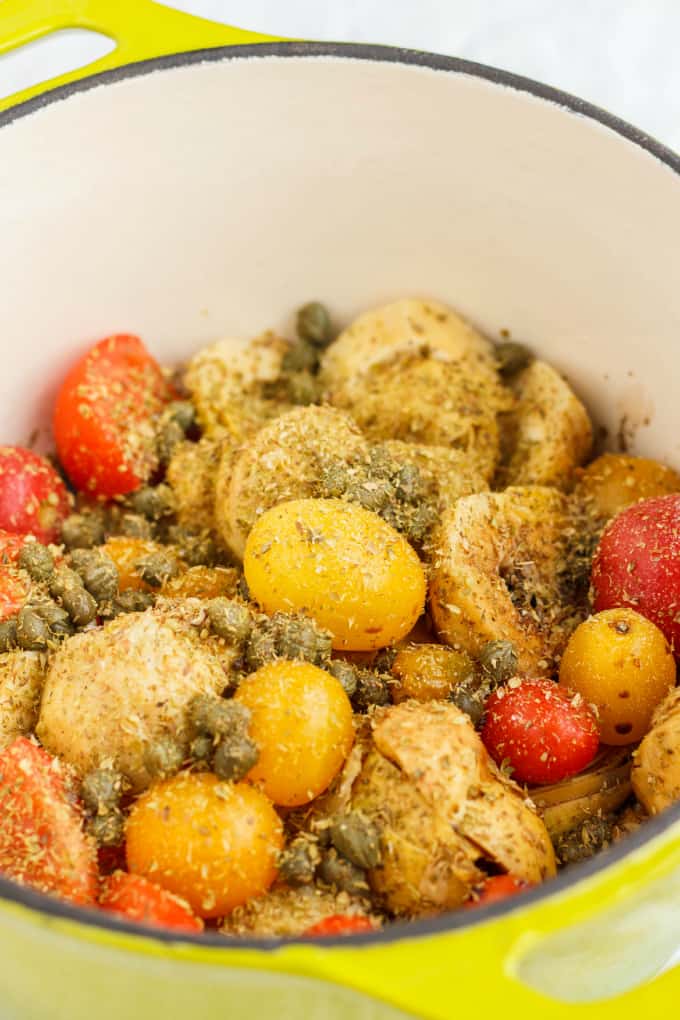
column 209, row 200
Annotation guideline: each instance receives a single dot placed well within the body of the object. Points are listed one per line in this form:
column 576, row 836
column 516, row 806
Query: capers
column 580, row 843
column 101, row 790
column 134, row 526
column 108, row 829
column 499, row 660
column 409, row 485
column 195, row 548
column 346, row 674
column 8, row 634
column 302, row 388
column 300, row 637
column 56, row 618
column 372, row 689
column 182, row 412
column 218, row 717
column 235, row 756
column 33, row 633
column 163, row 757
column 230, row 620
column 82, row 531
column 157, row 568
column 470, row 697
column 153, row 502
column 314, row 324
column 80, row 606
column 262, row 646
column 62, row 580
column 201, row 748
column 298, row 862
column 340, row 873
column 37, row 560
column 131, row 601
column 97, row 572
column 372, row 494
column 357, row 839
column 334, row 479
column 169, row 436
column 300, row 357
column 511, row 357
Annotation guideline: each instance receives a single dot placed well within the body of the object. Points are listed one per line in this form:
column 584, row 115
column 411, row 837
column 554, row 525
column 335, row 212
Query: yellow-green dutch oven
column 202, row 180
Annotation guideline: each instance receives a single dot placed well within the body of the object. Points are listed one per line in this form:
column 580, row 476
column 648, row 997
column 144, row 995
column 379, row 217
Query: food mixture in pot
column 310, row 635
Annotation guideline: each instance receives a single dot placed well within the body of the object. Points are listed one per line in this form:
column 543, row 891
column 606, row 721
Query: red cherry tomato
column 637, row 564
column 14, row 591
column 497, row 888
column 33, row 498
column 10, row 547
column 103, row 418
column 137, row 899
column 42, row 842
column 341, row 924
column 544, row 733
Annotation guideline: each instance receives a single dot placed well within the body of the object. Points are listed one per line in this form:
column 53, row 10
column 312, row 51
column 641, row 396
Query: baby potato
column 428, row 672
column 342, row 565
column 614, row 481
column 656, row 763
column 302, row 725
column 620, row 662
column 212, row 842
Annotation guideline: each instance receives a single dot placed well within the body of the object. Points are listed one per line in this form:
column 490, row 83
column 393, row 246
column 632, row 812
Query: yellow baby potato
column 620, row 662
column 342, row 565
column 301, row 721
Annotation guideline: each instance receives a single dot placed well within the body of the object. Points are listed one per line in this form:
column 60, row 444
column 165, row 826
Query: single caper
column 108, row 829
column 511, row 357
column 371, row 494
column 417, row 522
column 499, row 660
column 314, row 324
column 357, row 839
column 300, row 357
column 218, row 717
column 37, row 560
column 183, row 412
column 8, row 634
column 372, row 689
column 169, row 436
column 134, row 526
column 56, row 618
column 300, row 637
column 409, row 485
column 201, row 748
column 153, row 501
column 195, row 548
column 131, row 601
column 381, row 463
column 101, row 790
column 298, row 862
column 262, row 645
column 62, row 580
column 33, row 633
column 470, row 697
column 334, row 479
column 303, row 388
column 340, row 873
column 230, row 620
column 80, row 606
column 346, row 674
column 157, row 568
column 82, row 531
column 97, row 572
column 235, row 756
column 163, row 757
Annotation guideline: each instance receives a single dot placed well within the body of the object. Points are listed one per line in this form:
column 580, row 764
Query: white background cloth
column 620, row 54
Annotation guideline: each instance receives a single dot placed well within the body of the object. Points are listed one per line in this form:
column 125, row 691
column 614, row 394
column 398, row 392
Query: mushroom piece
column 112, row 692
column 548, row 434
column 497, row 563
column 656, row 768
column 441, row 807
column 21, row 680
column 282, row 462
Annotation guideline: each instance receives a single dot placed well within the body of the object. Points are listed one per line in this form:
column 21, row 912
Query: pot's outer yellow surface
column 593, row 948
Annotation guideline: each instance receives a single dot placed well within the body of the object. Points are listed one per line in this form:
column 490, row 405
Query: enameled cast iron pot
column 202, row 181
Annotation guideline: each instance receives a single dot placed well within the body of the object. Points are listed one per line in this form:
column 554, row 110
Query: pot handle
column 141, row 29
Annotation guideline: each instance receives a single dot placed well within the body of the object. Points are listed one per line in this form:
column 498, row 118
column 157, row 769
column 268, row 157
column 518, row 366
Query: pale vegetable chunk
column 192, row 475
column 496, row 564
column 549, row 434
column 112, row 692
column 21, row 679
column 656, row 768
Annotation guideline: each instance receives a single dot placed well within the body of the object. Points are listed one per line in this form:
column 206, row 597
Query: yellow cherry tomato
column 212, row 842
column 302, row 725
column 339, row 563
column 428, row 672
column 620, row 662
column 614, row 481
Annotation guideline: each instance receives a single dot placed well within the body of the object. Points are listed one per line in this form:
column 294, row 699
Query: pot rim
column 451, row 921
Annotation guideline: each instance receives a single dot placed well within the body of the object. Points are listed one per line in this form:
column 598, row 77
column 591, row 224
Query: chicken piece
column 282, row 462
column 284, row 911
column 192, row 475
column 497, row 563
column 423, row 397
column 656, row 767
column 549, row 434
column 447, row 473
column 21, row 680
column 229, row 382
column 401, row 327
column 113, row 691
